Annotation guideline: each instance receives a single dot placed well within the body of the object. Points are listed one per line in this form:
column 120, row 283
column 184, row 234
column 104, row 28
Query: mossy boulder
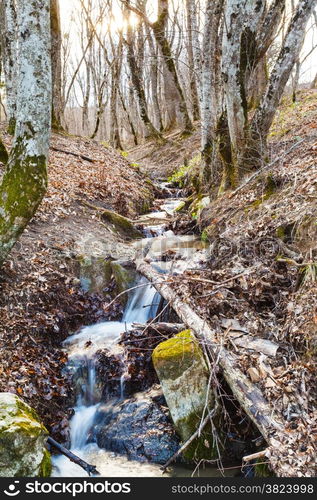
column 22, row 440
column 184, row 376
column 121, row 225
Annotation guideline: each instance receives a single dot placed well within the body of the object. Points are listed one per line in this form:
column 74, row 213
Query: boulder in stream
column 139, row 427
column 184, row 377
column 22, row 440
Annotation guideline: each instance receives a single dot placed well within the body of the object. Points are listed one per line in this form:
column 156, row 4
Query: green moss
column 95, row 273
column 23, row 186
column 11, row 126
column 204, row 236
column 183, row 372
column 46, row 465
column 188, row 175
column 177, row 354
column 262, row 470
column 121, row 224
column 124, row 279
column 3, row 153
column 22, row 438
column 202, row 448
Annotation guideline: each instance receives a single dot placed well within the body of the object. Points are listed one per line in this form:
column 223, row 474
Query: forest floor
column 263, row 240
column 262, row 268
column 41, row 300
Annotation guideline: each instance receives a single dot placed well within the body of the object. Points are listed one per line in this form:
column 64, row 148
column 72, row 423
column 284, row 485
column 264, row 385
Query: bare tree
column 56, row 41
column 24, row 181
column 9, row 51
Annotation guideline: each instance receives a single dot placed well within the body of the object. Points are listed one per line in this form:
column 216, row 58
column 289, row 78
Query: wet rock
column 139, row 427
column 106, row 276
column 95, row 274
column 184, row 376
column 121, row 225
column 22, row 440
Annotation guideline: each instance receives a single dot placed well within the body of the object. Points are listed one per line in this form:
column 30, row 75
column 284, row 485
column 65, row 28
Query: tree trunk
column 191, row 25
column 154, row 81
column 313, row 84
column 211, row 90
column 3, row 153
column 9, row 57
column 151, row 131
column 56, row 40
column 159, row 30
column 25, row 179
column 239, row 58
column 284, row 64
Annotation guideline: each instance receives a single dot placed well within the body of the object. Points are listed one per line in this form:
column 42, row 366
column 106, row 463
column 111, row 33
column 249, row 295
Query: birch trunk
column 211, row 90
column 25, row 179
column 281, row 72
column 9, row 52
column 239, row 55
column 191, row 25
column 56, row 37
column 154, row 80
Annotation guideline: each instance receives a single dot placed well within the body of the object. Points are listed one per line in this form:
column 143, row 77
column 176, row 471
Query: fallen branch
column 266, row 167
column 254, row 456
column 170, row 328
column 248, row 395
column 78, row 155
column 90, row 469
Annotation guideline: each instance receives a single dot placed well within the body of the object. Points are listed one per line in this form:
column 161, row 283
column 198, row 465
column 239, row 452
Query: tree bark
column 151, row 131
column 9, row 51
column 25, row 179
column 239, row 57
column 3, row 153
column 211, row 91
column 284, row 64
column 191, row 26
column 56, row 41
column 159, row 29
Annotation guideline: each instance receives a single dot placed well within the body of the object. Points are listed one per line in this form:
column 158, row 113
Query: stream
column 142, row 304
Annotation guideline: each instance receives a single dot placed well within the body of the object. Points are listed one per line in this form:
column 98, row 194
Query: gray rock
column 22, row 440
column 182, row 370
column 139, row 427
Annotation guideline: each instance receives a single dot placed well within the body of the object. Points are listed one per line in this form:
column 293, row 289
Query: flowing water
column 142, row 305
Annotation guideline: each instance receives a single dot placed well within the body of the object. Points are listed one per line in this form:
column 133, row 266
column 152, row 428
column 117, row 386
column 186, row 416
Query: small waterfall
column 81, row 424
column 142, row 305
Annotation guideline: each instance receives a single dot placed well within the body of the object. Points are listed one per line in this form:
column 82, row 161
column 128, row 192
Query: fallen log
column 247, row 394
column 90, row 469
column 167, row 328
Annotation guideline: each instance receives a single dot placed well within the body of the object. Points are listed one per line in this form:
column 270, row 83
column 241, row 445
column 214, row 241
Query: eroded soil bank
column 41, row 298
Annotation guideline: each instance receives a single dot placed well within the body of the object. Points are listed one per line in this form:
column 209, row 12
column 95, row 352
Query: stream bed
column 142, row 304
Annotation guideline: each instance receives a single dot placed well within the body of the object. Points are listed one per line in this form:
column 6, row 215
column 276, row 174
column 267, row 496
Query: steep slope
column 41, row 300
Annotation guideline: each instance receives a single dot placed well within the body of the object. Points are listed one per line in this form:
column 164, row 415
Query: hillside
column 41, row 300
column 260, row 277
